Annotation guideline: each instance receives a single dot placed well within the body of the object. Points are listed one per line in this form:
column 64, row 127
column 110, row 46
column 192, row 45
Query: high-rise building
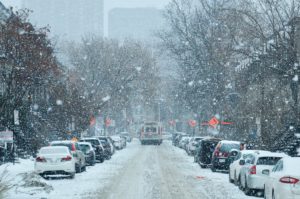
column 68, row 19
column 137, row 23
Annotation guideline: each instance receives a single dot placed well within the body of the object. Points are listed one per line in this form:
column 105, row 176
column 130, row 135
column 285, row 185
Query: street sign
column 192, row 123
column 214, row 122
column 108, row 122
column 6, row 136
column 92, row 121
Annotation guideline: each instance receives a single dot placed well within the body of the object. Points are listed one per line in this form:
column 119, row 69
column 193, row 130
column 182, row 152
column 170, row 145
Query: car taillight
column 73, row 147
column 68, row 158
column 289, row 180
column 217, row 153
column 40, row 159
column 252, row 170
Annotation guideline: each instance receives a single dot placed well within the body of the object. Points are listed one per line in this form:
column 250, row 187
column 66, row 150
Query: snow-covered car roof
column 63, row 141
column 229, row 142
column 115, row 137
column 269, row 154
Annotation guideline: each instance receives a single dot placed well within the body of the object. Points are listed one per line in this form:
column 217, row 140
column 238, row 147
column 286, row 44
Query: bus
column 151, row 133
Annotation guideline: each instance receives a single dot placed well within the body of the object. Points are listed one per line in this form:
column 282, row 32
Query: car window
column 225, row 147
column 267, row 160
column 84, row 147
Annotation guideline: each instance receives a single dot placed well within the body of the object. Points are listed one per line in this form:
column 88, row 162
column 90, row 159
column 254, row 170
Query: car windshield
column 268, row 160
column 150, row 129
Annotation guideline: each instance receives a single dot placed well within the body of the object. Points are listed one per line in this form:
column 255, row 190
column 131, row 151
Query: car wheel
column 230, row 180
column 72, row 175
column 240, row 183
column 84, row 168
column 78, row 168
column 213, row 169
column 236, row 181
column 247, row 190
column 202, row 166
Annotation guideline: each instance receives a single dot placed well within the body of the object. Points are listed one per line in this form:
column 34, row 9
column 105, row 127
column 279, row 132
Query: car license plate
column 222, row 160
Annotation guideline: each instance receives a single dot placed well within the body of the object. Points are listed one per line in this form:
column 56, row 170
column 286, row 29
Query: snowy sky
column 109, row 4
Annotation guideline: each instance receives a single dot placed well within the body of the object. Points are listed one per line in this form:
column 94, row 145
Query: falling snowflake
column 59, row 102
column 295, row 78
column 104, row 99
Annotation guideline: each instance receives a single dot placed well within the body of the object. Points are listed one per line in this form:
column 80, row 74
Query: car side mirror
column 242, row 162
column 266, row 172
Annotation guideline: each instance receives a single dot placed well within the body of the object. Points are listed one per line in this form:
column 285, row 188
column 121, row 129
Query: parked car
column 177, row 138
column 123, row 141
column 76, row 153
column 283, row 181
column 107, row 149
column 110, row 141
column 55, row 160
column 235, row 166
column 89, row 152
column 127, row 136
column 220, row 155
column 191, row 147
column 183, row 141
column 97, row 145
column 204, row 151
column 117, row 142
column 251, row 177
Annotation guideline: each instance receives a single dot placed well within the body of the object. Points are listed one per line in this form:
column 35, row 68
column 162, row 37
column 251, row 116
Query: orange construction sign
column 214, row 122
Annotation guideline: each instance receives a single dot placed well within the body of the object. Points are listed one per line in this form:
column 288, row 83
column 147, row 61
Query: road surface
column 136, row 172
column 166, row 172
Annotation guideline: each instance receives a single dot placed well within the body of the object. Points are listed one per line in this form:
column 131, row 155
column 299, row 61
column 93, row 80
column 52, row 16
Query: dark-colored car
column 221, row 153
column 97, row 145
column 204, row 151
column 107, row 149
column 89, row 152
column 110, row 141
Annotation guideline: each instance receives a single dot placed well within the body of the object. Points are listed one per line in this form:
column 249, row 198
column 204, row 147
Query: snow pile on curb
column 20, row 179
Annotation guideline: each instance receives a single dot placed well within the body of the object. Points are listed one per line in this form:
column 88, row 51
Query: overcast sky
column 109, row 4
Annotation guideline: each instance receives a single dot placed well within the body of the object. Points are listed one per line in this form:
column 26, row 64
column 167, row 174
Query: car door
column 274, row 177
column 80, row 154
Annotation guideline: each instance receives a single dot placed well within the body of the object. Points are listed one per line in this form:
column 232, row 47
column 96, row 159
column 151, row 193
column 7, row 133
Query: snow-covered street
column 137, row 172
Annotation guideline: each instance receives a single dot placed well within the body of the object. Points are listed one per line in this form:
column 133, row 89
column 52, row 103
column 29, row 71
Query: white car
column 55, row 160
column 117, row 141
column 237, row 164
column 284, row 179
column 251, row 177
column 191, row 147
column 183, row 141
